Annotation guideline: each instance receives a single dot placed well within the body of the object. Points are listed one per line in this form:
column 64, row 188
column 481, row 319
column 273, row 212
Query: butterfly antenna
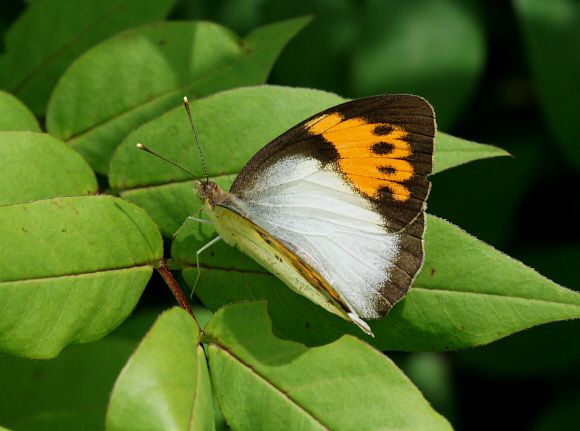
column 144, row 148
column 186, row 103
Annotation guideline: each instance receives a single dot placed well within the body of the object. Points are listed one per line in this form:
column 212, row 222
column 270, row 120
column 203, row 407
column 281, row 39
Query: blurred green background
column 505, row 73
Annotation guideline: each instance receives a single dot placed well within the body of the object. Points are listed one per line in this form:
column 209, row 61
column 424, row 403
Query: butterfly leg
column 199, row 220
column 209, row 244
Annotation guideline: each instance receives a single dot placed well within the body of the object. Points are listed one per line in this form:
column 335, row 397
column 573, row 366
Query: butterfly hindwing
column 406, row 267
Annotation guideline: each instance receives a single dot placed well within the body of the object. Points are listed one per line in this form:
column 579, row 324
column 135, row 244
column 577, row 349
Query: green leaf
column 262, row 382
column 15, row 115
column 467, row 294
column 38, row 166
column 435, row 49
column 476, row 293
column 545, row 350
column 71, row 271
column 165, row 385
column 451, row 151
column 231, row 129
column 551, row 33
column 64, row 394
column 141, row 73
column 50, row 34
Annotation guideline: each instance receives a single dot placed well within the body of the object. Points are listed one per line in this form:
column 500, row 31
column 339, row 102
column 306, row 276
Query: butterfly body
column 334, row 207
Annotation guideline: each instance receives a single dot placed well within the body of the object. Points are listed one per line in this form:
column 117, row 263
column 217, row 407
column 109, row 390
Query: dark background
column 503, row 73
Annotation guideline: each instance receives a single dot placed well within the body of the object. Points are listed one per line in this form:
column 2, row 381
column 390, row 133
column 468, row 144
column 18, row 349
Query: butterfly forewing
column 382, row 146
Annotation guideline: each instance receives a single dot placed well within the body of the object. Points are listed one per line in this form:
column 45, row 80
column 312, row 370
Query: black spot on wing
column 382, row 148
column 397, row 214
column 387, row 170
column 382, row 130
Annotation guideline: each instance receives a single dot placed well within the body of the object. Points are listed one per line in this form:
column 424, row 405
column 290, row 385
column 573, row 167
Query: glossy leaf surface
column 266, row 383
column 72, row 269
column 39, row 166
column 165, row 385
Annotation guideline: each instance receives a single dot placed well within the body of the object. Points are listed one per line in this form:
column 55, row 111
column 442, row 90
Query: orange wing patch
column 371, row 155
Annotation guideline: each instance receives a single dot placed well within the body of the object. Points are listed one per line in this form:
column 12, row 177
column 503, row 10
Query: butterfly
column 334, row 207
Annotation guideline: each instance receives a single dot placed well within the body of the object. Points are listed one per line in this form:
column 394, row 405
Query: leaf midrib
column 264, row 379
column 510, row 296
column 49, row 277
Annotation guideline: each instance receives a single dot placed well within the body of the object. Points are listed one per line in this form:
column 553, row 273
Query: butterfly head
column 209, row 193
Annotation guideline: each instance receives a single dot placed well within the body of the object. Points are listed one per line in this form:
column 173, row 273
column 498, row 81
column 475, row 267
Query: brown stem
column 175, row 289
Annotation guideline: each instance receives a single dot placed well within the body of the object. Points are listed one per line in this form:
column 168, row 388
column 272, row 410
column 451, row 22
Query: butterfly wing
column 345, row 192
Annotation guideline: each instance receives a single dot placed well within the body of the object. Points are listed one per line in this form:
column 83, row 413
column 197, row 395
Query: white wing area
column 328, row 225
